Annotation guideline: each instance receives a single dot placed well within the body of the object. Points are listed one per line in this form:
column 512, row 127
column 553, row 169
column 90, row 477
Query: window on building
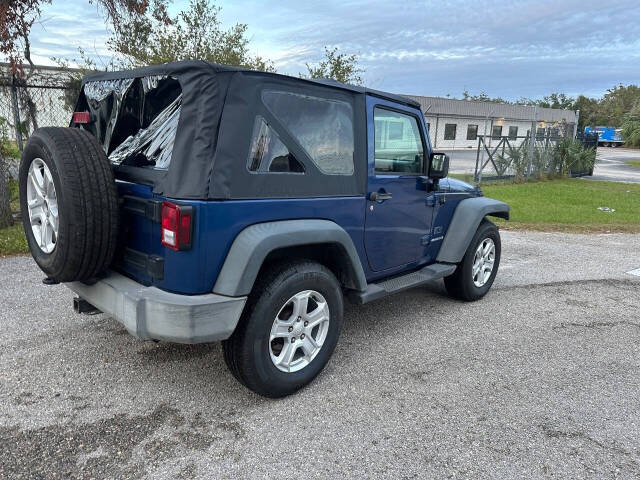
column 554, row 132
column 324, row 128
column 540, row 132
column 268, row 154
column 450, row 131
column 513, row 133
column 472, row 132
column 395, row 154
column 496, row 132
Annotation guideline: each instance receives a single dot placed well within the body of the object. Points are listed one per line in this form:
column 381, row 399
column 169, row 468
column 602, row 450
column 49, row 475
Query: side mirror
column 438, row 165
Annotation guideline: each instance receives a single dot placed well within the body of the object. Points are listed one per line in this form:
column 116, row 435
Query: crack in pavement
column 595, row 324
column 551, row 432
column 596, row 281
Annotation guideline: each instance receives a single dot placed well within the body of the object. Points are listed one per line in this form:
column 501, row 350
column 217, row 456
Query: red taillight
column 176, row 226
column 81, row 117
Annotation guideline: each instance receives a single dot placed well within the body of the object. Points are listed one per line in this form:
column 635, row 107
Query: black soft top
column 185, row 68
column 206, row 127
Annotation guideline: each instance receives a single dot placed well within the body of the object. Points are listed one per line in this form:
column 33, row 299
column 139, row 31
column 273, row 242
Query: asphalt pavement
column 612, row 165
column 540, row 379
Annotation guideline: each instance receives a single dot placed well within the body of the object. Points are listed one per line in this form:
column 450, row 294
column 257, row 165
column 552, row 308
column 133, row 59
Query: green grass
column 634, row 163
column 13, row 241
column 569, row 205
column 14, row 196
column 12, row 149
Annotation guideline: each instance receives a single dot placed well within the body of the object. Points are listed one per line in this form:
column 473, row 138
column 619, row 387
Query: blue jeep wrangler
column 196, row 202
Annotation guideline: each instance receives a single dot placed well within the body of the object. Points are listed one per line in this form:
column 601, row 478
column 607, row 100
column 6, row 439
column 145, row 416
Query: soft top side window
column 268, row 154
column 323, row 127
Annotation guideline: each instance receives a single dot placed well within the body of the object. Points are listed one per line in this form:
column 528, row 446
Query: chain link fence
column 546, row 153
column 41, row 98
column 38, row 101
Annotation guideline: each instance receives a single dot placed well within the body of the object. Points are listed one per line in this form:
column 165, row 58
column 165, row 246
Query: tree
column 195, row 33
column 589, row 111
column 339, row 66
column 18, row 16
column 482, row 97
column 16, row 19
column 631, row 126
column 617, row 102
column 556, row 100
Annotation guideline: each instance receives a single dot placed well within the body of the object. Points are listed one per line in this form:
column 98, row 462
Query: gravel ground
column 541, row 379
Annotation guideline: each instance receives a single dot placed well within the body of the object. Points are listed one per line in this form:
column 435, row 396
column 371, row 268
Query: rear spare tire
column 69, row 203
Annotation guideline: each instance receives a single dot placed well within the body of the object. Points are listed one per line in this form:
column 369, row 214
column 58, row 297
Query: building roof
column 467, row 108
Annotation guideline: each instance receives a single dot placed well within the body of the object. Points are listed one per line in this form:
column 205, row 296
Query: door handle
column 379, row 196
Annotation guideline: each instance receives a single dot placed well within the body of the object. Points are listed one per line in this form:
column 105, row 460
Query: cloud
column 511, row 49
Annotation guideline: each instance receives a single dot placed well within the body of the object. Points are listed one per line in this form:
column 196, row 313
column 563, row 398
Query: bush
column 631, row 127
column 569, row 155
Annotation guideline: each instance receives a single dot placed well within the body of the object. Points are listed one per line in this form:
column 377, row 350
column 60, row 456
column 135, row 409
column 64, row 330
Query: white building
column 456, row 124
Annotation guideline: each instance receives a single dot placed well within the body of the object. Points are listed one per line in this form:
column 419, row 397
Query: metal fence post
column 16, row 112
column 534, row 126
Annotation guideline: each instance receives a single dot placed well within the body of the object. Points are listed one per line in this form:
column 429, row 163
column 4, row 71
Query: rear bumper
column 153, row 314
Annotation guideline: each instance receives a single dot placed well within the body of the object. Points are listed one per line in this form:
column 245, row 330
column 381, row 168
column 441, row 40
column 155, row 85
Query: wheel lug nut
column 302, row 337
column 290, row 329
column 306, row 324
column 293, row 339
column 299, row 318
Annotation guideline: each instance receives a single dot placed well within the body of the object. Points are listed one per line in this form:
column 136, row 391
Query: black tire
column 460, row 284
column 247, row 352
column 87, row 203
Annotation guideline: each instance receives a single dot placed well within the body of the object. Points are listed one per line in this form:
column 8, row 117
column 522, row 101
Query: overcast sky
column 508, row 48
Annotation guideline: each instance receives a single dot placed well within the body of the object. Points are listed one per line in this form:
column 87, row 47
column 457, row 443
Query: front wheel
column 288, row 330
column 477, row 271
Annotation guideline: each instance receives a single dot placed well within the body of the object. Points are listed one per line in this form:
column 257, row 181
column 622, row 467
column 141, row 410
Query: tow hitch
column 80, row 305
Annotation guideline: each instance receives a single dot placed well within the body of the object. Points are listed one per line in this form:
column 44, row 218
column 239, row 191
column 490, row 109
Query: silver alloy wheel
column 299, row 331
column 483, row 261
column 42, row 203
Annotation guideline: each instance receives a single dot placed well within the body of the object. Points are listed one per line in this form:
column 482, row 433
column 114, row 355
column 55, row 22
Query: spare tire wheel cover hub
column 42, row 203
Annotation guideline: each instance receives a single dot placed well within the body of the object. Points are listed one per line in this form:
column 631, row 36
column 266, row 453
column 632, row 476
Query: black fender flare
column 254, row 243
column 468, row 215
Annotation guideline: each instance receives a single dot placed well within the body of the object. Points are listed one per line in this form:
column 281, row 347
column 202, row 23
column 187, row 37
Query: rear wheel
column 288, row 330
column 477, row 271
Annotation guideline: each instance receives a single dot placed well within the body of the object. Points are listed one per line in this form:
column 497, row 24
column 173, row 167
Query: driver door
column 398, row 217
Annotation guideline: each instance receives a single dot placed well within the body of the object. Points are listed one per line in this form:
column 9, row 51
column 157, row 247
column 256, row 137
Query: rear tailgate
column 141, row 254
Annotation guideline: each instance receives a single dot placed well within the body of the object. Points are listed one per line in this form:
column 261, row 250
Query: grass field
column 569, row 205
column 634, row 163
column 13, row 241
